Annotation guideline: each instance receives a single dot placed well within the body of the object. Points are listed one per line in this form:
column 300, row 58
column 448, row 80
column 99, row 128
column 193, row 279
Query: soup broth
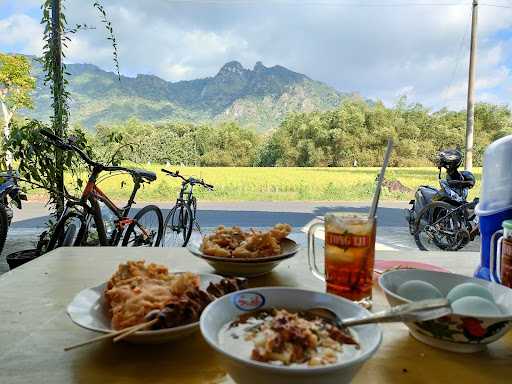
column 280, row 337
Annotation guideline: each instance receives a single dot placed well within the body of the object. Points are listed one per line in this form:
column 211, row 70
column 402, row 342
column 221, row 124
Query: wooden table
column 34, row 328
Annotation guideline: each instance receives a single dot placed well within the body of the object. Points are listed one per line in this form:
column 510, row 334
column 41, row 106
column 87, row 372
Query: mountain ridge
column 260, row 97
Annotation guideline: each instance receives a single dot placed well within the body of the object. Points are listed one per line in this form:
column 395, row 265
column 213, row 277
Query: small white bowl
column 247, row 371
column 89, row 310
column 246, row 267
column 455, row 332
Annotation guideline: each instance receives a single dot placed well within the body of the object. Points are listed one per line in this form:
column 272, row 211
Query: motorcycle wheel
column 445, row 234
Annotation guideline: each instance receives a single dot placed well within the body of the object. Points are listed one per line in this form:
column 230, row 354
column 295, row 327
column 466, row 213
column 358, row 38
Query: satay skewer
column 134, row 329
column 117, row 335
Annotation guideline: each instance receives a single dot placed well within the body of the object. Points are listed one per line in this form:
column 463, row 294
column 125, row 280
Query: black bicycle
column 74, row 225
column 182, row 217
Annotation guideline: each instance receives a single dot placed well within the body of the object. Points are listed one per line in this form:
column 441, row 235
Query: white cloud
column 379, row 52
column 21, row 33
column 407, row 91
column 176, row 71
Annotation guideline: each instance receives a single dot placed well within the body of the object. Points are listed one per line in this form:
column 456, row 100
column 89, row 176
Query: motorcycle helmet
column 449, row 159
column 468, row 176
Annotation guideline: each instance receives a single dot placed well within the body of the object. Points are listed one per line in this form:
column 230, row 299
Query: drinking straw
column 376, row 195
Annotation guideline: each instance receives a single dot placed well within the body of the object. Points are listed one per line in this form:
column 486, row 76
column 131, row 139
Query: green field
column 278, row 184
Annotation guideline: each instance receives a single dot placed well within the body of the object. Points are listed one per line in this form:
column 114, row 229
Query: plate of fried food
column 232, row 251
column 140, row 293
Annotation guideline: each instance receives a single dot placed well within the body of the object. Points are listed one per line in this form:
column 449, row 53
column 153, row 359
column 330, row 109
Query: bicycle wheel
column 438, row 228
column 69, row 235
column 67, row 232
column 4, row 226
column 146, row 229
column 178, row 226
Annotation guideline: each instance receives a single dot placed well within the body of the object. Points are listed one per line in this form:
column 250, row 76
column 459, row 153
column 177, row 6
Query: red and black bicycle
column 95, row 209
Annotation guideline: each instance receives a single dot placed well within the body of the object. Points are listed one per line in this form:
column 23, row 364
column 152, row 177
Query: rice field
column 276, row 184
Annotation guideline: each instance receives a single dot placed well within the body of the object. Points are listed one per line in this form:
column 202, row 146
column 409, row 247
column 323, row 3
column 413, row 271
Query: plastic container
column 21, row 257
column 496, row 192
column 495, row 204
column 488, row 226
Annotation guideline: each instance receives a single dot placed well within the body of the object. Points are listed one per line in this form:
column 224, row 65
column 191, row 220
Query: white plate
column 89, row 310
column 246, row 267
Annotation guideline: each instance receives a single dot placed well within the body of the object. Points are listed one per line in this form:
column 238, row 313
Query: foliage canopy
column 356, row 131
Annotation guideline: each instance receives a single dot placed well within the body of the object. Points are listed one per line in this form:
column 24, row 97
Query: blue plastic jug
column 495, row 204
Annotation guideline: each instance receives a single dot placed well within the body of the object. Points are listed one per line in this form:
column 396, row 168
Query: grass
column 277, row 184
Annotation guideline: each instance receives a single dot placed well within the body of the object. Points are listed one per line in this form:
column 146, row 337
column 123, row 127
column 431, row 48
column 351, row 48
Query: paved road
column 391, row 232
column 245, row 214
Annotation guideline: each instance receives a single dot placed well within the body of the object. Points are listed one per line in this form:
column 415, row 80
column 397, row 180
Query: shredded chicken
column 290, row 338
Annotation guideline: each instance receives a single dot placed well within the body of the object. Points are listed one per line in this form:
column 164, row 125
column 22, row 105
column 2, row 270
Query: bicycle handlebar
column 190, row 180
column 55, row 140
column 69, row 146
column 174, row 174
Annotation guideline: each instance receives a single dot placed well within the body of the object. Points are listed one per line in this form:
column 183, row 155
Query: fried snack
column 257, row 245
column 133, row 272
column 136, row 289
column 280, row 231
column 236, row 243
column 213, row 249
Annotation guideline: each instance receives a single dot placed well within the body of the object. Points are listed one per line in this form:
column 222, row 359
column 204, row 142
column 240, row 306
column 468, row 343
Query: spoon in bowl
column 417, row 311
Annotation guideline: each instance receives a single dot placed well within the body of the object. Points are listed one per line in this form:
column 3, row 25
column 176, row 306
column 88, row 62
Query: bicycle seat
column 143, row 174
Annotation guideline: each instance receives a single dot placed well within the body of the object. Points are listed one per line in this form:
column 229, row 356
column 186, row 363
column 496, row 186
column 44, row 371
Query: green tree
column 358, row 130
column 16, row 86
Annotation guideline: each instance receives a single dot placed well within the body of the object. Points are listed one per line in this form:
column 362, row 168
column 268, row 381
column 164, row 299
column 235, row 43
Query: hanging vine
column 111, row 36
column 50, row 164
column 52, row 57
column 52, row 61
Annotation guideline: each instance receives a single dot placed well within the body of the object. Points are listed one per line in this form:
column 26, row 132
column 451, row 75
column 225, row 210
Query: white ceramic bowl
column 246, row 371
column 246, row 267
column 455, row 333
column 89, row 310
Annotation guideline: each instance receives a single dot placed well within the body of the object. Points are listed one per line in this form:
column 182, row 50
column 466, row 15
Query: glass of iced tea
column 349, row 255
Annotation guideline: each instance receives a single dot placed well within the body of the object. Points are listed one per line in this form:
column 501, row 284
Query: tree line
column 355, row 133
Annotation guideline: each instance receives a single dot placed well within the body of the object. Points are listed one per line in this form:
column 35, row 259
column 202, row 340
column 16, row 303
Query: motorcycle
column 443, row 219
column 10, row 194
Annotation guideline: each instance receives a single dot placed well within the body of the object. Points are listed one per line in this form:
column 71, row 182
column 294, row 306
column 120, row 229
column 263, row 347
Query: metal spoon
column 417, row 311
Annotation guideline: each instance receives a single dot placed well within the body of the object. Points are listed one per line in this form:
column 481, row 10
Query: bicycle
column 182, row 217
column 72, row 227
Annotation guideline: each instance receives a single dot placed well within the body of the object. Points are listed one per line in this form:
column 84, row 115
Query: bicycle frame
column 91, row 198
column 89, row 201
column 186, row 190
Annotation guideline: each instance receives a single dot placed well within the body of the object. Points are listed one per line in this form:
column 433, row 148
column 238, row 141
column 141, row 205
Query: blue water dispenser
column 495, row 204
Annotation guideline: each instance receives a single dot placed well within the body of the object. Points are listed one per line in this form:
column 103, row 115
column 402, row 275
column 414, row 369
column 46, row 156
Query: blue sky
column 380, row 48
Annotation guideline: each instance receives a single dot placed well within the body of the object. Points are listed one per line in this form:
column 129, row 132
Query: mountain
column 260, row 97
